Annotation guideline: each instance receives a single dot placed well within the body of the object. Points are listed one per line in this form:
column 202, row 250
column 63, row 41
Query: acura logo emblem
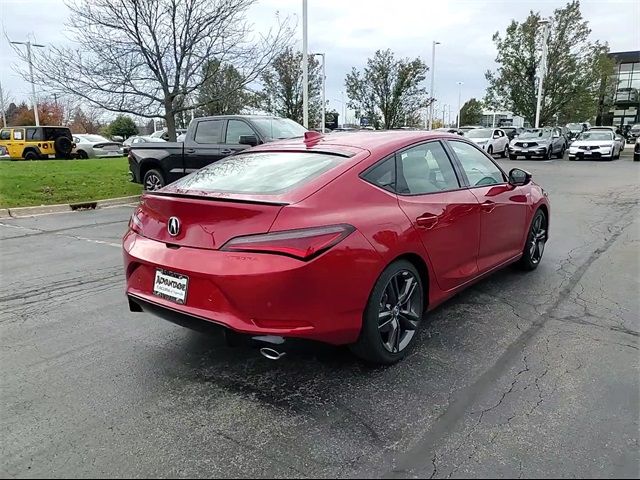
column 173, row 226
column 525, row 145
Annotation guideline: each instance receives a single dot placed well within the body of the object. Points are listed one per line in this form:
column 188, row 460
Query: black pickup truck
column 208, row 140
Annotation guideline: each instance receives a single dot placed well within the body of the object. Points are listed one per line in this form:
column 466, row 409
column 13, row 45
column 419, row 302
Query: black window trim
column 223, row 131
column 461, row 180
column 461, row 169
column 366, row 171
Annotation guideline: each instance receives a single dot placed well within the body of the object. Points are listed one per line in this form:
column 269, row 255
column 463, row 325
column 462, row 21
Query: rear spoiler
column 215, row 199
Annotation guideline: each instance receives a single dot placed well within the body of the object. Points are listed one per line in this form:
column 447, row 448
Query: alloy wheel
column 538, row 239
column 152, row 182
column 398, row 317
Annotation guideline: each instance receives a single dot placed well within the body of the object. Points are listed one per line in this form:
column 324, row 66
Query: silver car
column 96, row 146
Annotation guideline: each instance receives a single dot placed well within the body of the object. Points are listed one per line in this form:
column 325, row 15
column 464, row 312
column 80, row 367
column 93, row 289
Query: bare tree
column 142, row 56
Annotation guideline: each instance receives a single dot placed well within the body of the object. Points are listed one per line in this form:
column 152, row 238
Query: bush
column 122, row 126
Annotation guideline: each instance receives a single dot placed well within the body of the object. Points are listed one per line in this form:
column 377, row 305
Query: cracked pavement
column 522, row 375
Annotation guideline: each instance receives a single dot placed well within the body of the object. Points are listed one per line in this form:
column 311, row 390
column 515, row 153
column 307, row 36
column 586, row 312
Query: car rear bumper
column 259, row 294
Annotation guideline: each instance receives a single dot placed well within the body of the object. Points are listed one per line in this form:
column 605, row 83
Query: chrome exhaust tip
column 271, row 354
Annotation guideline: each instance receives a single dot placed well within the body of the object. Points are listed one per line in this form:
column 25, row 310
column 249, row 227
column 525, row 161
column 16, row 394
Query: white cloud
column 349, row 31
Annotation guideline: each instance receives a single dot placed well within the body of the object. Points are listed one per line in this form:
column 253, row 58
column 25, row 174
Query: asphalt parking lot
column 530, row 375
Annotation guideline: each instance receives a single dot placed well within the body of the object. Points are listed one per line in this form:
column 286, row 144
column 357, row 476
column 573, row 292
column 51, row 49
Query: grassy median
column 48, row 182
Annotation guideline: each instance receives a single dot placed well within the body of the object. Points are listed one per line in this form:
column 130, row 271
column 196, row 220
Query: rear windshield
column 278, row 128
column 93, row 138
column 260, row 173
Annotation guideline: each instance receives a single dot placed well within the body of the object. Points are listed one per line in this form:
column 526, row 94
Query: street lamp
column 324, row 84
column 344, row 108
column 305, row 68
column 459, row 98
column 433, row 75
column 4, row 118
column 33, row 86
column 543, row 67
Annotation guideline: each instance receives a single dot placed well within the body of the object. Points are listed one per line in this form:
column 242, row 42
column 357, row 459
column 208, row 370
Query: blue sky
column 350, row 31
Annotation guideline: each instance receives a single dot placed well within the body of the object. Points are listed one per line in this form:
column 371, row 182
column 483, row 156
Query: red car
column 343, row 239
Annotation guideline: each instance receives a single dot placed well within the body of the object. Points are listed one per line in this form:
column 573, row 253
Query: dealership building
column 623, row 108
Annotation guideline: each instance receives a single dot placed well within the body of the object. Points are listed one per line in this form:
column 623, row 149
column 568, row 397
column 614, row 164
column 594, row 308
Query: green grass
column 49, row 182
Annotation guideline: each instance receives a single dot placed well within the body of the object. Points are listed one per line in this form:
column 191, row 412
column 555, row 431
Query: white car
column 96, row 146
column 595, row 144
column 616, row 132
column 492, row 140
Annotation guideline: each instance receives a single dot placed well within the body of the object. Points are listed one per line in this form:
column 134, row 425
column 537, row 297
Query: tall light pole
column 4, row 118
column 444, row 112
column 324, row 89
column 543, row 67
column 433, row 77
column 305, row 68
column 459, row 98
column 33, row 85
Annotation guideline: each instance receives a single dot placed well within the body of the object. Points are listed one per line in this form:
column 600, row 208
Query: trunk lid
column 203, row 222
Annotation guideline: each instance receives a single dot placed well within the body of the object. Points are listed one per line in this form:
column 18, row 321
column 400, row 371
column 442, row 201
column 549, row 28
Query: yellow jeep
column 34, row 143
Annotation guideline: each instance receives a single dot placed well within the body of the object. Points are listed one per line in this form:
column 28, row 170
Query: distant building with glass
column 622, row 109
column 491, row 118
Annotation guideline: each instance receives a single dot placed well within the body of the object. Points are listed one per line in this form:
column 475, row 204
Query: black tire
column 560, row 155
column 31, row 155
column 490, row 151
column 153, row 180
column 513, row 157
column 531, row 256
column 504, row 152
column 549, row 155
column 388, row 331
column 63, row 146
column 82, row 154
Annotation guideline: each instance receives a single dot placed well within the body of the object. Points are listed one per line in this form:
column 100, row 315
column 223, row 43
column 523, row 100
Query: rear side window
column 260, row 173
column 209, row 131
column 32, row 134
column 18, row 135
column 383, row 174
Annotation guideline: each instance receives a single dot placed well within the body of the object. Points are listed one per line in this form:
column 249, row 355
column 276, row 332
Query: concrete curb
column 66, row 207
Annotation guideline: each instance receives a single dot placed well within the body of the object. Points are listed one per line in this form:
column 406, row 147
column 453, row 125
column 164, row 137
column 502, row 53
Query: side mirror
column 251, row 140
column 519, row 177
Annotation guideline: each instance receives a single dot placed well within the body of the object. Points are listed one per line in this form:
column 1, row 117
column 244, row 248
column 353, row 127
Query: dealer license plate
column 171, row 286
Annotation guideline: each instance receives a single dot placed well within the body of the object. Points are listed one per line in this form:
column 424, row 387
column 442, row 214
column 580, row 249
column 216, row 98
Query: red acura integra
column 344, row 239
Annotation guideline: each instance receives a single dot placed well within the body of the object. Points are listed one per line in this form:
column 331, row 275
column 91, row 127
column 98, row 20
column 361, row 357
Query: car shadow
column 313, row 373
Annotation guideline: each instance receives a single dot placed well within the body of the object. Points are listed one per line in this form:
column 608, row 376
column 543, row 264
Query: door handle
column 226, row 151
column 488, row 206
column 427, row 221
column 190, row 150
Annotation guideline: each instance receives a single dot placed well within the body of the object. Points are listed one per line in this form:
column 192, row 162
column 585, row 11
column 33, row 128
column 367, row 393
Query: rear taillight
column 305, row 243
column 135, row 223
